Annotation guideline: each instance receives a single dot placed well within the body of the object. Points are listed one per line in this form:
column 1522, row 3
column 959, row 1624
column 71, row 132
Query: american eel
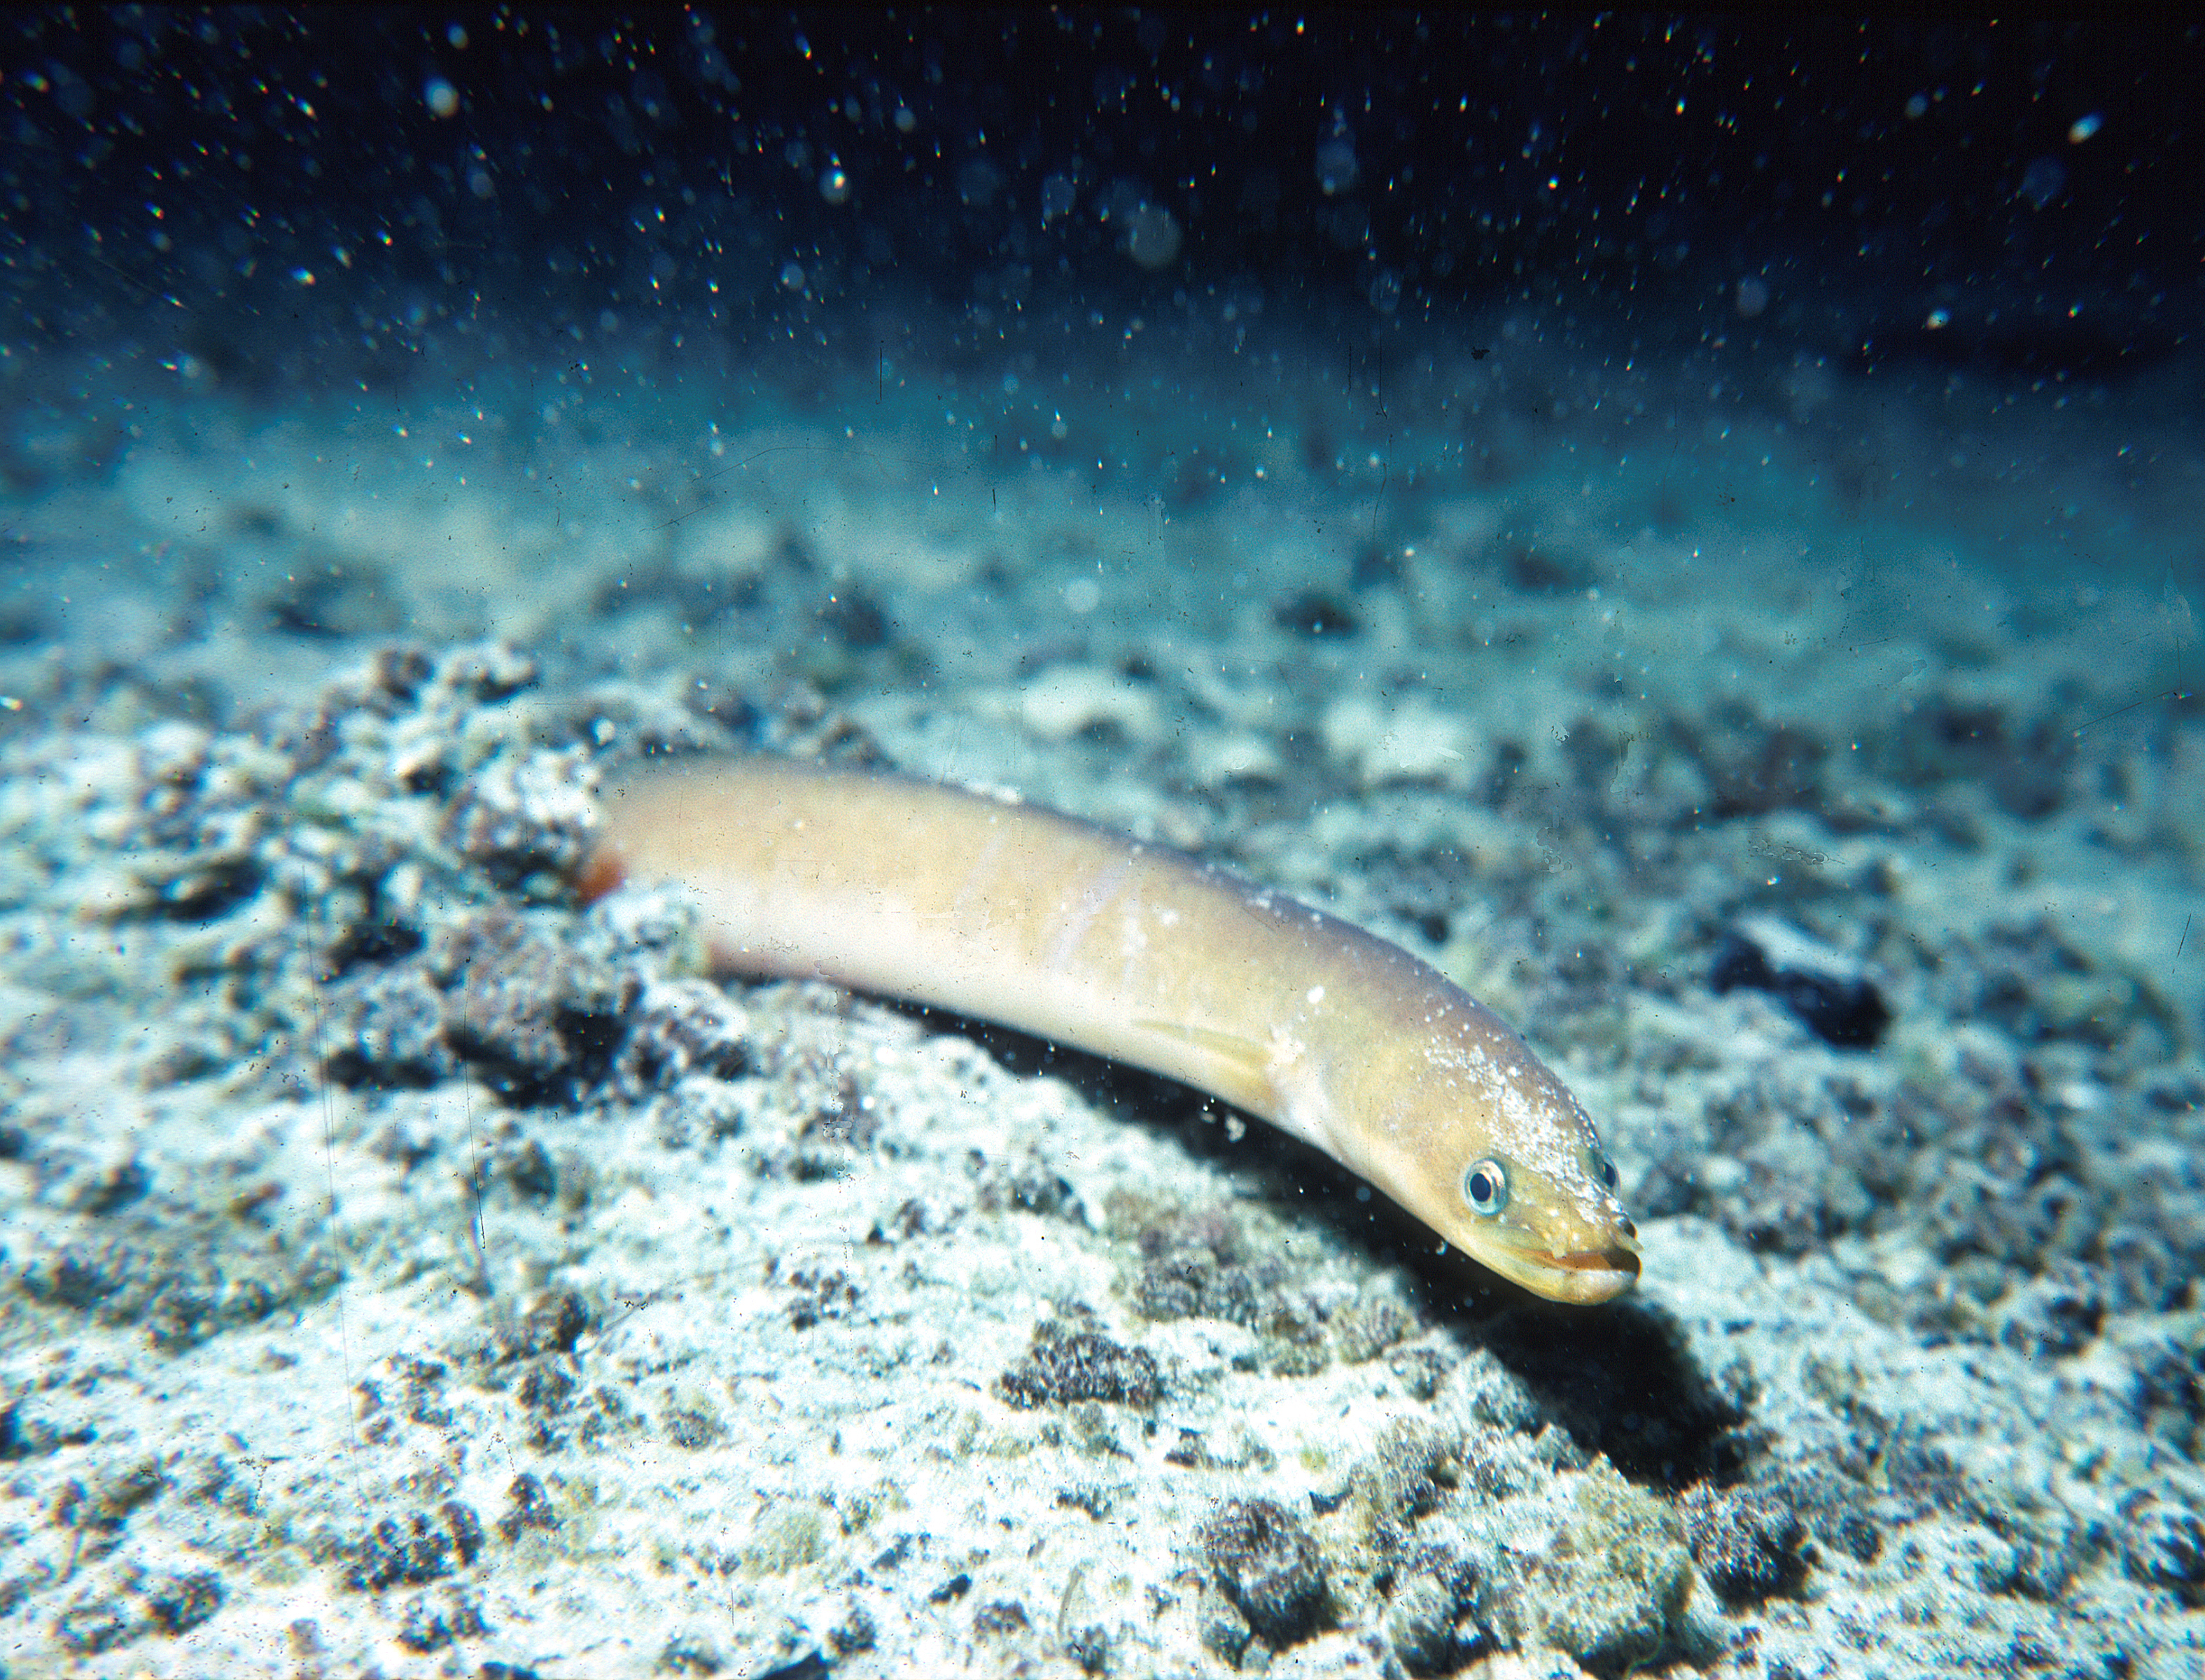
column 993, row 908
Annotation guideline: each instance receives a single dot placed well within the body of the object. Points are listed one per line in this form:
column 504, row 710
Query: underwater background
column 1691, row 526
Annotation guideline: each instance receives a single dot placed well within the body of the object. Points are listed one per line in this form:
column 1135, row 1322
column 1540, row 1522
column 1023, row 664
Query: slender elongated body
column 1074, row 933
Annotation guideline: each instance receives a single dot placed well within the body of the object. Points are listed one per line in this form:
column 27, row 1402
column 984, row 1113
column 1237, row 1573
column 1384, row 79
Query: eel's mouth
column 1622, row 1259
column 1579, row 1277
column 1596, row 1274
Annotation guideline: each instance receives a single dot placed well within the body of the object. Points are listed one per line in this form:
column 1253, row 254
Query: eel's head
column 1494, row 1153
column 1562, row 1235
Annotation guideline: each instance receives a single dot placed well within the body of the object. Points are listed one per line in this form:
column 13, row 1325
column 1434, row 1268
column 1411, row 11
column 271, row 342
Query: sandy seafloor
column 406, row 1271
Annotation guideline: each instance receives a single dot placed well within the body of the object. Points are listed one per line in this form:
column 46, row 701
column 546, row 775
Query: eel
column 991, row 907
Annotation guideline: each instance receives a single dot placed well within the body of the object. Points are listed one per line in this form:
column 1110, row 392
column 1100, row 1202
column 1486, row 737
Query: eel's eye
column 1485, row 1187
column 1604, row 1169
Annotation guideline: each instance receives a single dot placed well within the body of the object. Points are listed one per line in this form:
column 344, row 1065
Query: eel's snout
column 1592, row 1263
column 1586, row 1277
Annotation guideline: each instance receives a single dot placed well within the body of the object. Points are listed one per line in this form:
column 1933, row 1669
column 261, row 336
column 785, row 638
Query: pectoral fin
column 1236, row 1068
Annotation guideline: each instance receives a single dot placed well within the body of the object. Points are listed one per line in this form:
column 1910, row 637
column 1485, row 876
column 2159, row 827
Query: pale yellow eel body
column 1012, row 913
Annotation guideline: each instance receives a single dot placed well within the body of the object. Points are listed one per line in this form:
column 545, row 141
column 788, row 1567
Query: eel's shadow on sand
column 1621, row 1378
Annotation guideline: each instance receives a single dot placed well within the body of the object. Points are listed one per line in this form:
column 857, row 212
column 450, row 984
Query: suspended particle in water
column 1152, row 236
column 2043, row 181
column 1058, row 195
column 1336, row 168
